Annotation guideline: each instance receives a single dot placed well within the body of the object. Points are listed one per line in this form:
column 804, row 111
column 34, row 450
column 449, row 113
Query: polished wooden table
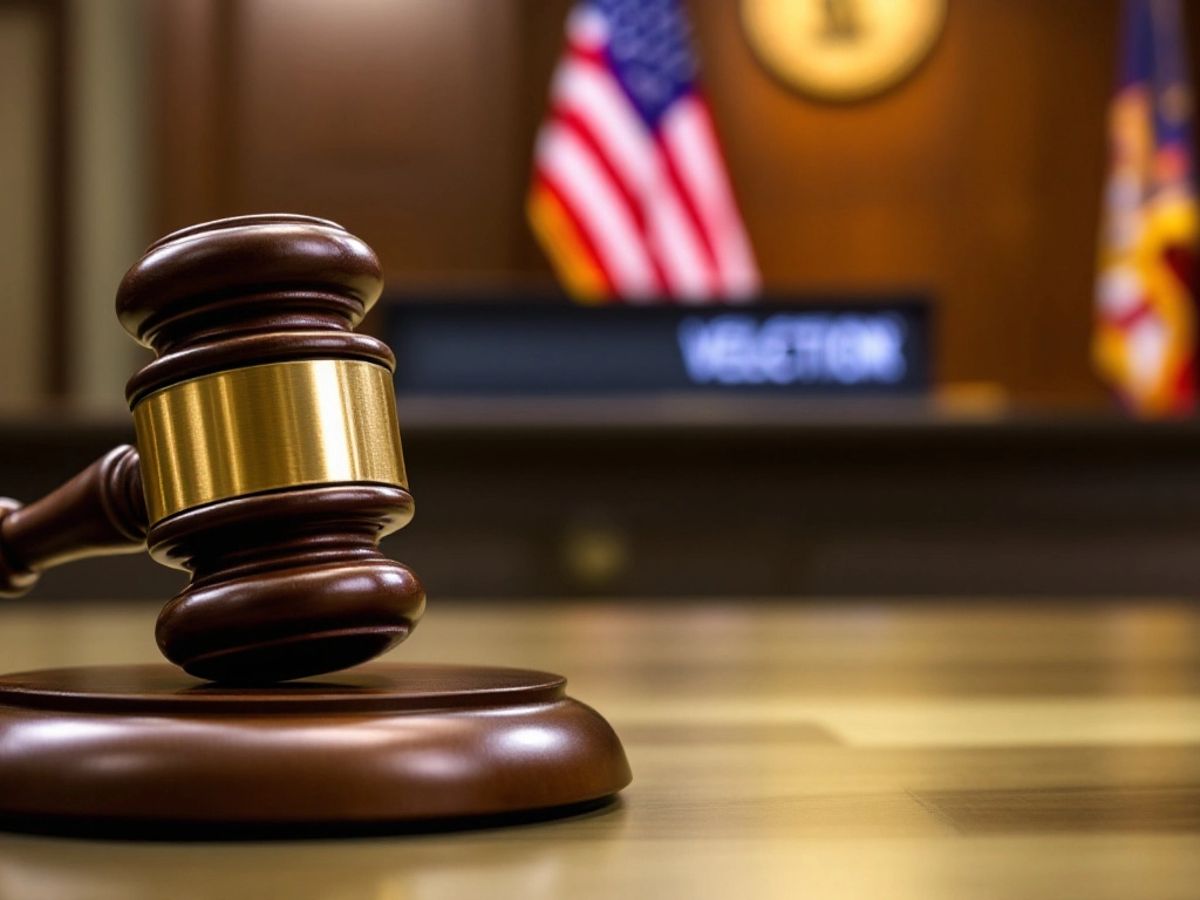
column 802, row 749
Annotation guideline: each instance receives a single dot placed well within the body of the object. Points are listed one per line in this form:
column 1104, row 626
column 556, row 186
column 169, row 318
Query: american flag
column 630, row 195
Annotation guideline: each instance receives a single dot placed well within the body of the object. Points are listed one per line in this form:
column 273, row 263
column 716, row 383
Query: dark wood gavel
column 268, row 460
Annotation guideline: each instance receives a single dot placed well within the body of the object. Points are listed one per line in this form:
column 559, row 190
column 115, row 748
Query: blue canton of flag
column 649, row 50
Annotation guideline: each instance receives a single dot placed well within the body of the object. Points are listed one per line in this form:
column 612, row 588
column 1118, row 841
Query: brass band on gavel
column 278, row 425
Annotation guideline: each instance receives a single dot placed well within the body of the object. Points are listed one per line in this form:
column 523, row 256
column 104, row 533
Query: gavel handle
column 99, row 512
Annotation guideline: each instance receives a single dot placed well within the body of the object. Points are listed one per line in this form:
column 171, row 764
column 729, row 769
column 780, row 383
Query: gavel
column 268, row 462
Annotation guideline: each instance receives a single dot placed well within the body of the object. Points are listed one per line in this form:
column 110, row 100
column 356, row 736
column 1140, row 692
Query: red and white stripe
column 657, row 210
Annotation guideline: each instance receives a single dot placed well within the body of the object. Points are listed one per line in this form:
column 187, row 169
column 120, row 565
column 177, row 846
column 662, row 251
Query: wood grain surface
column 804, row 749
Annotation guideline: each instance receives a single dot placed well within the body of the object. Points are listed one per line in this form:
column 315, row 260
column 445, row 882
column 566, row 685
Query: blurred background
column 911, row 384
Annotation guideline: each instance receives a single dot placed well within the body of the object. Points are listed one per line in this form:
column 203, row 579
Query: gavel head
column 270, row 451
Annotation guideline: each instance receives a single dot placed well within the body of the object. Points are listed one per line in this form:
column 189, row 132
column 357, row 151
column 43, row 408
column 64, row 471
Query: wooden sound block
column 142, row 747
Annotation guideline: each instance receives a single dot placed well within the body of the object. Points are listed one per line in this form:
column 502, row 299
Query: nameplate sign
column 510, row 347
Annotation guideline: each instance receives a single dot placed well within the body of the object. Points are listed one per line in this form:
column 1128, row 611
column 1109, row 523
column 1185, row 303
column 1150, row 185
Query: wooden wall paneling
column 56, row 270
column 32, row 202
column 106, row 181
column 540, row 37
column 395, row 119
column 190, row 93
column 978, row 179
column 23, row 214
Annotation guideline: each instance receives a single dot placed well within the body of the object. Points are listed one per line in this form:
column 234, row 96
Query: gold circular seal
column 842, row 49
